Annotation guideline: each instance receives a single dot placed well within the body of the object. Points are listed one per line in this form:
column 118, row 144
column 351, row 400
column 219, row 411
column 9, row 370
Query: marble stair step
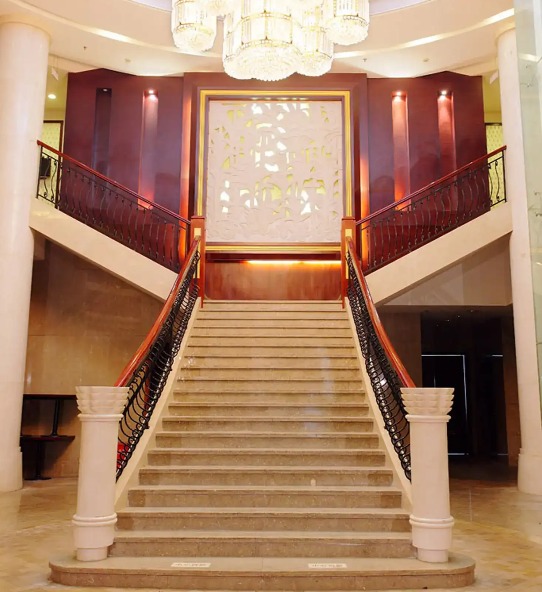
column 284, row 496
column 282, row 352
column 267, row 475
column 249, row 360
column 265, row 519
column 289, row 324
column 361, row 457
column 276, row 315
column 276, row 440
column 267, row 574
column 261, row 544
column 272, row 306
column 268, row 424
column 265, row 385
column 234, row 339
column 209, row 409
column 270, row 374
column 314, row 332
column 320, row 396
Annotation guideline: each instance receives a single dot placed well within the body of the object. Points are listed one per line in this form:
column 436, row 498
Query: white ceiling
column 406, row 38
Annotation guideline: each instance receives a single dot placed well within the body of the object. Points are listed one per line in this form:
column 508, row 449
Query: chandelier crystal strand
column 346, row 21
column 194, row 30
column 232, row 44
column 219, row 7
column 315, row 47
column 268, row 50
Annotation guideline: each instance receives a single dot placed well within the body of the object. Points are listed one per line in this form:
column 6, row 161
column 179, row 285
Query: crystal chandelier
column 270, row 39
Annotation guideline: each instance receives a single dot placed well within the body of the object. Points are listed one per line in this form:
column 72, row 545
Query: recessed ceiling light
column 51, row 96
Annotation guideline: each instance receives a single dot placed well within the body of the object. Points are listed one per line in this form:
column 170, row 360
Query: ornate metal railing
column 110, row 208
column 384, row 368
column 147, row 373
column 432, row 211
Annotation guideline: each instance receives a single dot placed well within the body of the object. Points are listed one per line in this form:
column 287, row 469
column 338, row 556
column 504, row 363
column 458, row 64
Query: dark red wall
column 373, row 131
column 423, row 130
column 125, row 128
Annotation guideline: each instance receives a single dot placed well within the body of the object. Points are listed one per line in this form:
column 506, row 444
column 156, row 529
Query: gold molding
column 272, row 248
column 342, row 95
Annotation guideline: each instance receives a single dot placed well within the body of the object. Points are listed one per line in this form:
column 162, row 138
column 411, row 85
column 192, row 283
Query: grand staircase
column 267, row 472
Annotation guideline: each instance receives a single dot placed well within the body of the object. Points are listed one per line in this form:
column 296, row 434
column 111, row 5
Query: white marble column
column 430, row 519
column 23, row 75
column 530, row 456
column 95, row 518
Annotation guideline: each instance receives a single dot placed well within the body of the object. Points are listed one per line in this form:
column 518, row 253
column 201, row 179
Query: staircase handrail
column 385, row 369
column 95, row 173
column 147, row 372
column 432, row 185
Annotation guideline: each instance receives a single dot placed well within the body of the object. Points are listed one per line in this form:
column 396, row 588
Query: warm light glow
column 51, row 96
column 282, row 262
column 443, row 93
column 271, row 39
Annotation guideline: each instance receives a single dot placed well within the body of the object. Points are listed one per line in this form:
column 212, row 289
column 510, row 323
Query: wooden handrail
column 411, row 196
column 393, row 357
column 114, row 183
column 137, row 358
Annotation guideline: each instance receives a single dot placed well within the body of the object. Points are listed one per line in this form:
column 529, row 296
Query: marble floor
column 495, row 524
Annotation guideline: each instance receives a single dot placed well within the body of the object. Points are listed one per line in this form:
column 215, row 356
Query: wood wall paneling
column 242, row 280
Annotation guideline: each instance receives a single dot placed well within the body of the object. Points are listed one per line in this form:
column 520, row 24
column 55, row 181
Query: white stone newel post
column 95, row 519
column 431, row 522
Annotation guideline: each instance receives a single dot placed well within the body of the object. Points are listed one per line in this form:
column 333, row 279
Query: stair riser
column 265, row 523
column 240, row 477
column 264, row 499
column 259, row 374
column 302, row 442
column 253, row 458
column 279, row 386
column 274, row 315
column 254, row 548
column 245, row 361
column 304, row 412
column 274, row 332
column 251, row 306
column 283, row 354
column 293, row 323
column 253, row 395
column 276, row 425
column 270, row 340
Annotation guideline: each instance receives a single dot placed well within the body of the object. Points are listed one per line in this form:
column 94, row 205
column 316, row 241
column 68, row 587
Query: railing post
column 428, row 410
column 348, row 231
column 95, row 518
column 197, row 229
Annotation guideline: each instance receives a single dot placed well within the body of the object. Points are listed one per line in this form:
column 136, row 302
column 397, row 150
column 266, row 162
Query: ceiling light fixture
column 270, row 39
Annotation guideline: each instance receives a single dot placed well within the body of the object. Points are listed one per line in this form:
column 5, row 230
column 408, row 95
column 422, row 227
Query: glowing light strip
column 496, row 18
column 282, row 262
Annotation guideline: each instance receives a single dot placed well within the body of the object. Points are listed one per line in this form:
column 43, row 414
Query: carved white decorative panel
column 274, row 171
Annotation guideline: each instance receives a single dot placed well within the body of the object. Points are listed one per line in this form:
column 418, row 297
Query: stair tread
column 267, row 434
column 266, row 405
column 266, row 469
column 251, row 534
column 353, row 512
column 269, row 418
column 297, row 451
column 378, row 489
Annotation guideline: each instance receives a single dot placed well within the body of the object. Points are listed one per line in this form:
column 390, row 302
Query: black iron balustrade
column 385, row 371
column 432, row 211
column 110, row 208
column 147, row 375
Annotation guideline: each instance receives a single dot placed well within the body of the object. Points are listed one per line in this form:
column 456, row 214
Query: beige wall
column 483, row 279
column 85, row 325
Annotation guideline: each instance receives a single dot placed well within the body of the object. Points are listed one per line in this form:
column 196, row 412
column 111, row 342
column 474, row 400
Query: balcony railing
column 432, row 211
column 110, row 208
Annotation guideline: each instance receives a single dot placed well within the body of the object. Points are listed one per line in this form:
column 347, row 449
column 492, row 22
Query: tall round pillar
column 530, row 456
column 23, row 74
